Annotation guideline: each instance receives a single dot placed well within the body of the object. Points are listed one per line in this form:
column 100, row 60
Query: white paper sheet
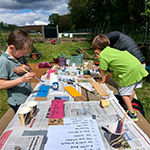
column 76, row 134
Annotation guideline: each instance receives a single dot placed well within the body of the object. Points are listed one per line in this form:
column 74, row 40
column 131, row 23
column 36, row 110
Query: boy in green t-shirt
column 123, row 65
column 12, row 77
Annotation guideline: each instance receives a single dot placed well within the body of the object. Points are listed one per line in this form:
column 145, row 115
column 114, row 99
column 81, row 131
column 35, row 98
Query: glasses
column 96, row 53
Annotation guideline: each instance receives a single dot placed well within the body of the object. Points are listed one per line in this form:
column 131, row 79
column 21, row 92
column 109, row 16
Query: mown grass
column 3, row 102
column 50, row 51
column 143, row 94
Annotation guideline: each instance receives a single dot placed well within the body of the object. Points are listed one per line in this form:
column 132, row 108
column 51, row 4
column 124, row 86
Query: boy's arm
column 6, row 84
column 108, row 76
column 103, row 74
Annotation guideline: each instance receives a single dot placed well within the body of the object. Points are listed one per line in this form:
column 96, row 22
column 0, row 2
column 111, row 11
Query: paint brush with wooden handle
column 34, row 76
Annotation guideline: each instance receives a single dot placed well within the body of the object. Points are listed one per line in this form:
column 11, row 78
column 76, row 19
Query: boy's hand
column 18, row 70
column 28, row 76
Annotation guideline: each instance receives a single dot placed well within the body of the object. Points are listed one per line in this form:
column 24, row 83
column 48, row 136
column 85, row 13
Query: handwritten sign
column 76, row 133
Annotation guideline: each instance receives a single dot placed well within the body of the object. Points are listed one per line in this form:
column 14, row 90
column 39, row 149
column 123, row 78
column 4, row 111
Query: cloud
column 30, row 18
column 30, row 12
column 31, row 4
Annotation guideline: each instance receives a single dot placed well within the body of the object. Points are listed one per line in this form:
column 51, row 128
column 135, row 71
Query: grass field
column 50, row 51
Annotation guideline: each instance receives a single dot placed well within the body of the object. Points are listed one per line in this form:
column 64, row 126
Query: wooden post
column 43, row 33
column 57, row 32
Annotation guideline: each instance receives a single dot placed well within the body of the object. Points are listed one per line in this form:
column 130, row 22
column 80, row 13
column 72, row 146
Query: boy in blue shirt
column 12, row 77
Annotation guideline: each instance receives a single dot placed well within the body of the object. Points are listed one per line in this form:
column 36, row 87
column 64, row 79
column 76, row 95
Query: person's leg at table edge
column 127, row 94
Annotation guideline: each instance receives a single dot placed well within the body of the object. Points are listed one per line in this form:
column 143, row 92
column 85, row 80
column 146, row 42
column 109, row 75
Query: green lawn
column 50, row 51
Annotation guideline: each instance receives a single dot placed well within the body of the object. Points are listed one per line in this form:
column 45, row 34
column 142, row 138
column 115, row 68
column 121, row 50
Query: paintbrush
column 124, row 116
column 121, row 122
column 34, row 76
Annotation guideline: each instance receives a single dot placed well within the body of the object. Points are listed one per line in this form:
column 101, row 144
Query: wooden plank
column 4, row 121
column 42, row 93
column 56, row 113
column 56, row 121
column 100, row 90
column 143, row 124
column 40, row 98
column 72, row 91
column 89, row 96
column 79, row 98
column 75, row 94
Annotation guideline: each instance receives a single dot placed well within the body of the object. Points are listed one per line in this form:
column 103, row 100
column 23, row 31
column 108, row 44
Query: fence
column 138, row 32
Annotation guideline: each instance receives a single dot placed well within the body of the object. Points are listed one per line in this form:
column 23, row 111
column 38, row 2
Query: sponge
column 104, row 103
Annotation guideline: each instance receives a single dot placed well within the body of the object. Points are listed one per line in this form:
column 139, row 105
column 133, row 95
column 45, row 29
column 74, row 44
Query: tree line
column 90, row 13
column 7, row 27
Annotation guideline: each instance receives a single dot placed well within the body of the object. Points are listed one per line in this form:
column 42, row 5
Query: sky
column 31, row 12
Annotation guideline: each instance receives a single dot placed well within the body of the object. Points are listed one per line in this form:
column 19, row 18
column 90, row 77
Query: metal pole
column 146, row 29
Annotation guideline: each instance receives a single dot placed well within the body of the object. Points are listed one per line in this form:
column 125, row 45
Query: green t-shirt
column 124, row 65
column 18, row 94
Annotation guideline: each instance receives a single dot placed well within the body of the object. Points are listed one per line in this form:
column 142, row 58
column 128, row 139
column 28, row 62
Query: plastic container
column 77, row 60
column 61, row 61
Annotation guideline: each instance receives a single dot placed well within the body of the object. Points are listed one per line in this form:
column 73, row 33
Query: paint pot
column 33, row 106
column 86, row 72
column 55, row 85
column 114, row 139
column 24, row 115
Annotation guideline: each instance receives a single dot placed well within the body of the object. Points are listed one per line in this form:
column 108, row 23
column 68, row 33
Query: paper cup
column 85, row 65
column 53, row 78
column 33, row 106
column 24, row 115
column 114, row 139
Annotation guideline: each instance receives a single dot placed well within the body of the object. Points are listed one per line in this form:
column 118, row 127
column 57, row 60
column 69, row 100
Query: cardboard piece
column 39, row 71
column 100, row 90
column 75, row 94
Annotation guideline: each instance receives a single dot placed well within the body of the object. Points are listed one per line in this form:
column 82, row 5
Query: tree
column 136, row 8
column 53, row 19
column 80, row 13
column 146, row 12
column 64, row 23
column 7, row 27
column 89, row 13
